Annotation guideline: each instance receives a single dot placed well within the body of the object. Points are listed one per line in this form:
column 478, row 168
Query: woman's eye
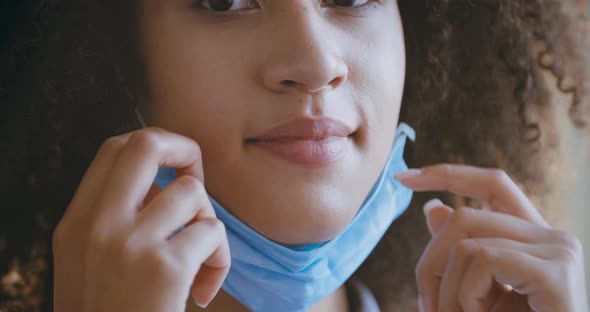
column 227, row 5
column 236, row 5
column 348, row 3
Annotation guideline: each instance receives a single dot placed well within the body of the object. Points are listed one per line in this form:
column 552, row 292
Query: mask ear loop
column 140, row 117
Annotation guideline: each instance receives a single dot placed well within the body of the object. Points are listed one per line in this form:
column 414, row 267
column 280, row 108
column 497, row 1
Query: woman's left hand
column 507, row 259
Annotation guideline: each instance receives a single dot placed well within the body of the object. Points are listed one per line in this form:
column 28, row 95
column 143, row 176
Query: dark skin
column 333, row 73
column 82, row 116
column 168, row 50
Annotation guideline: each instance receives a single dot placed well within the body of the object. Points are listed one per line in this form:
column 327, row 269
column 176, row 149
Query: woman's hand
column 113, row 249
column 508, row 259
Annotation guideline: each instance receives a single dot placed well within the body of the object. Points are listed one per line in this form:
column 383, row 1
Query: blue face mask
column 266, row 276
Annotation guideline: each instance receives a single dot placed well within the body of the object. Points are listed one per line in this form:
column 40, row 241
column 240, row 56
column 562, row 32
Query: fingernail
column 407, row 174
column 202, row 306
column 431, row 204
column 420, row 304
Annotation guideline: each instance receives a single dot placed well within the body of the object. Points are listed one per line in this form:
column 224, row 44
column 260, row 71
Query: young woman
column 249, row 155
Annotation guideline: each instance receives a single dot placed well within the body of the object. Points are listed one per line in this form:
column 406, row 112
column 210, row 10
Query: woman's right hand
column 112, row 249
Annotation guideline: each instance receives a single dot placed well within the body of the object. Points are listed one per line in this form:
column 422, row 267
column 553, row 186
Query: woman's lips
column 306, row 141
column 321, row 152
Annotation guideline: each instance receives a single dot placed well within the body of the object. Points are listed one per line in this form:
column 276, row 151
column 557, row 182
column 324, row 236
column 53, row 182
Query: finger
column 545, row 251
column 497, row 294
column 152, row 193
column 492, row 186
column 94, row 178
column 460, row 259
column 205, row 243
column 420, row 304
column 136, row 167
column 183, row 200
column 524, row 272
column 468, row 223
column 437, row 214
column 207, row 283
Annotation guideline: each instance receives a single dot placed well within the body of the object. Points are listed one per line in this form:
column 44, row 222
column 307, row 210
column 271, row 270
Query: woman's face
column 228, row 80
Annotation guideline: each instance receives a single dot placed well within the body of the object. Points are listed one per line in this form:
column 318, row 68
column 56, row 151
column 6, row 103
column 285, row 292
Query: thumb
column 437, row 215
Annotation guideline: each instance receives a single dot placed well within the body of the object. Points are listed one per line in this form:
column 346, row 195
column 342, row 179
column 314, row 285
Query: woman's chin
column 294, row 205
column 307, row 219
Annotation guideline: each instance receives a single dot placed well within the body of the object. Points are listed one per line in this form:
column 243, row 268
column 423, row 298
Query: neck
column 223, row 302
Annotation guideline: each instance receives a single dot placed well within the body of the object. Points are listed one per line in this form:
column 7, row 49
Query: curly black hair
column 71, row 75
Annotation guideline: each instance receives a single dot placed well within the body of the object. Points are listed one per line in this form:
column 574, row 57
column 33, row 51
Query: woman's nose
column 303, row 55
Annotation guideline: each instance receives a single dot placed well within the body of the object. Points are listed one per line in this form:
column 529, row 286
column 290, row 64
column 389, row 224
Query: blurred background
column 574, row 183
column 575, row 151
